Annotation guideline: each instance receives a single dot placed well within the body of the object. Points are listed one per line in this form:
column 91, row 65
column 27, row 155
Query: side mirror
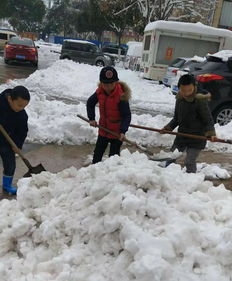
column 37, row 47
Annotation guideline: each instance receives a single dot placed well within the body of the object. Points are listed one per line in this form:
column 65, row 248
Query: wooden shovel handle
column 179, row 134
column 12, row 143
column 118, row 136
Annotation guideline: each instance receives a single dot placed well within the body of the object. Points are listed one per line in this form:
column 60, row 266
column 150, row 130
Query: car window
column 21, row 41
column 94, row 48
column 88, row 48
column 12, row 35
column 212, row 66
column 190, row 65
column 3, row 36
column 177, row 63
column 72, row 46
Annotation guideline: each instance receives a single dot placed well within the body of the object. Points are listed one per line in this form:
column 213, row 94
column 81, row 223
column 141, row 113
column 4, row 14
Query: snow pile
column 122, row 219
column 66, row 79
column 213, row 171
column 48, row 46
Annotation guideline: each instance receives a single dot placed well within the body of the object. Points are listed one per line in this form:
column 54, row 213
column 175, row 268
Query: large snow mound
column 122, row 219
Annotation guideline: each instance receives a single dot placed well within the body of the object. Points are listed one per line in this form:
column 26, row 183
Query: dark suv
column 84, row 52
column 114, row 49
column 215, row 76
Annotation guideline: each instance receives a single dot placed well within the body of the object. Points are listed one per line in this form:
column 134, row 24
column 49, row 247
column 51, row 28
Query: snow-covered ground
column 52, row 121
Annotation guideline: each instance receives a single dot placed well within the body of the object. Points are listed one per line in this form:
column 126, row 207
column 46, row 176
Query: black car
column 215, row 76
column 114, row 49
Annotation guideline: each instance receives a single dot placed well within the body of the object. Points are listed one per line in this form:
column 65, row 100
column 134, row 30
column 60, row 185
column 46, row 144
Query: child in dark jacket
column 193, row 116
column 13, row 118
column 115, row 115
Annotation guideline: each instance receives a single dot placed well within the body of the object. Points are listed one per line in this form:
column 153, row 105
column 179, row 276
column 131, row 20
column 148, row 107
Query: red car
column 21, row 49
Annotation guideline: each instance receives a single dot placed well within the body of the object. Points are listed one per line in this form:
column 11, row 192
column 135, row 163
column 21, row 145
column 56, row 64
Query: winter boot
column 6, row 184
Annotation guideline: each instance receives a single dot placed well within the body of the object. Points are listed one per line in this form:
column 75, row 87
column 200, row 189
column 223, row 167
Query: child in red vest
column 115, row 115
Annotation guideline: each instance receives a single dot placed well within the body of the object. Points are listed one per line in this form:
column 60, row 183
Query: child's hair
column 186, row 79
column 19, row 92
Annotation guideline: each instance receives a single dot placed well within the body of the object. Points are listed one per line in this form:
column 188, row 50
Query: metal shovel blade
column 34, row 170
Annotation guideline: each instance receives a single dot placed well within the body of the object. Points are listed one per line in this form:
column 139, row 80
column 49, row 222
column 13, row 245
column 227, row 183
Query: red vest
column 110, row 117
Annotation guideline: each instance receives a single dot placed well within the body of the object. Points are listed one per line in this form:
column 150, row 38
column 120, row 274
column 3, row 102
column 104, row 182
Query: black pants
column 101, row 146
column 8, row 160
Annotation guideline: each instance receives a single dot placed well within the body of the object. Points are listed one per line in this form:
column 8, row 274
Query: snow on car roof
column 198, row 59
column 224, row 54
column 188, row 27
column 79, row 41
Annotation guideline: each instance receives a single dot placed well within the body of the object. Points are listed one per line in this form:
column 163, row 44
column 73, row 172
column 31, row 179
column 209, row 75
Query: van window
column 72, row 46
column 95, row 48
column 147, row 42
column 86, row 48
column 3, row 36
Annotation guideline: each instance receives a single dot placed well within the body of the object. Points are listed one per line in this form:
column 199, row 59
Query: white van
column 164, row 41
column 5, row 36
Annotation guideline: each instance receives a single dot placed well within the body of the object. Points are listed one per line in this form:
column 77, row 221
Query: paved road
column 16, row 70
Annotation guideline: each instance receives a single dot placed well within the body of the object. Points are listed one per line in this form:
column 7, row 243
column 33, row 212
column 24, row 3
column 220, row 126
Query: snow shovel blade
column 34, row 170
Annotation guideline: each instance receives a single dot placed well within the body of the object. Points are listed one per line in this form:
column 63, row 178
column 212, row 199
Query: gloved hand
column 93, row 123
column 122, row 137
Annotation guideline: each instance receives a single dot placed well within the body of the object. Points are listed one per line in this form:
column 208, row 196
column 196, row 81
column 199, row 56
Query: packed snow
column 122, row 219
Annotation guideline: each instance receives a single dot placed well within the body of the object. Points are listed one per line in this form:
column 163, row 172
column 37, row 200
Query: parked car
column 84, row 52
column 185, row 69
column 215, row 76
column 112, row 48
column 5, row 36
column 21, row 49
column 116, row 52
column 172, row 70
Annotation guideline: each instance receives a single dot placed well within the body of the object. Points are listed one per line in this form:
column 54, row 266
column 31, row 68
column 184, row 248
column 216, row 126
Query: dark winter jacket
column 115, row 113
column 193, row 116
column 15, row 123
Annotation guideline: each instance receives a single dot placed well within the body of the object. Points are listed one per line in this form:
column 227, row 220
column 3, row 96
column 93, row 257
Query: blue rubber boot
column 6, row 184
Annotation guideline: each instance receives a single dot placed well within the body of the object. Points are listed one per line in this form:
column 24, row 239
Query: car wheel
column 223, row 115
column 6, row 61
column 100, row 63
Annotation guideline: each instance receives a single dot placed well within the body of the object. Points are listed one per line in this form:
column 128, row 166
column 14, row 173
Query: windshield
column 21, row 41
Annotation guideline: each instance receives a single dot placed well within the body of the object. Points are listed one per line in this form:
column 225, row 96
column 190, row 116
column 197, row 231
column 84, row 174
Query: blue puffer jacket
column 15, row 123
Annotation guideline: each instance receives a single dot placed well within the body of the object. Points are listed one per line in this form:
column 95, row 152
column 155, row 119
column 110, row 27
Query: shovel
column 149, row 153
column 32, row 170
column 179, row 134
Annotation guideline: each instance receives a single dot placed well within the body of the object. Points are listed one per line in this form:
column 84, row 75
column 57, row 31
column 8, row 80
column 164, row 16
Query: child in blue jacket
column 13, row 118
